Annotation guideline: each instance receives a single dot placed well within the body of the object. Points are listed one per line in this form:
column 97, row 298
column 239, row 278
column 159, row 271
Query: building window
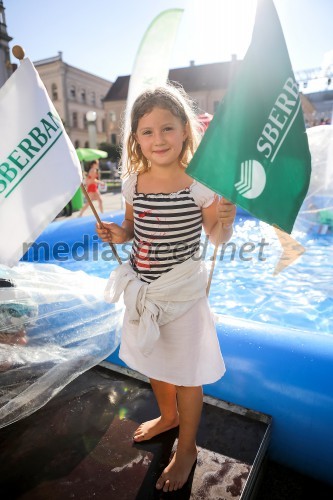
column 85, row 121
column 86, row 144
column 113, row 139
column 103, row 125
column 76, row 144
column 54, row 91
column 72, row 92
column 74, row 120
column 93, row 98
column 83, row 95
column 113, row 116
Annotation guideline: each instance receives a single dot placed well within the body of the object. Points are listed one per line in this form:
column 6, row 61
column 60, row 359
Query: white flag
column 39, row 168
column 151, row 66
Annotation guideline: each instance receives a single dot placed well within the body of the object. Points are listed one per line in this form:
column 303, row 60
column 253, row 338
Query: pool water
column 244, row 286
column 301, row 296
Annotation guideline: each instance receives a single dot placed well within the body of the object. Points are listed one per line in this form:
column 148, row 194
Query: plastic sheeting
column 54, row 325
column 316, row 213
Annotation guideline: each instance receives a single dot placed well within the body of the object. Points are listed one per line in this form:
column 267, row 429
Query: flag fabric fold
column 39, row 168
column 255, row 151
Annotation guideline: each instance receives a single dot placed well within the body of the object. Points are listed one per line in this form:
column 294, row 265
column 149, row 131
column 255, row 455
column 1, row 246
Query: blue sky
column 102, row 36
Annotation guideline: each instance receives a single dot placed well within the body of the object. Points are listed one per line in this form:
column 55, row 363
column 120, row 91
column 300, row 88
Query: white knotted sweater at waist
column 151, row 305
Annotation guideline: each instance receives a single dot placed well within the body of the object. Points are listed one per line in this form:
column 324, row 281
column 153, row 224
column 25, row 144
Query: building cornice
column 51, row 60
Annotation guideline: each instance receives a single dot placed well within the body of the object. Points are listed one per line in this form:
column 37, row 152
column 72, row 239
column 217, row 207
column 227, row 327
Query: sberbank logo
column 28, row 152
column 272, row 136
column 252, row 179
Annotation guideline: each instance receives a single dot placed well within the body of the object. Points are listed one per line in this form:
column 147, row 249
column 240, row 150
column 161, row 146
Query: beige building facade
column 74, row 92
column 206, row 84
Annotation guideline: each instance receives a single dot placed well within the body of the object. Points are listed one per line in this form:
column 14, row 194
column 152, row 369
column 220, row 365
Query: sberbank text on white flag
column 39, row 168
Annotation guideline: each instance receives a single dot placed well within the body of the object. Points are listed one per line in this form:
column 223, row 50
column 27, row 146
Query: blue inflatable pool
column 276, row 333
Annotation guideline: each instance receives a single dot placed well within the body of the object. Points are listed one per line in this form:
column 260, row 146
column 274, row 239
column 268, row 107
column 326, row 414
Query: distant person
column 92, row 182
column 168, row 331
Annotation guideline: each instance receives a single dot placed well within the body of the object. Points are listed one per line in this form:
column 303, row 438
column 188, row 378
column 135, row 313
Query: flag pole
column 113, row 248
column 18, row 52
column 212, row 267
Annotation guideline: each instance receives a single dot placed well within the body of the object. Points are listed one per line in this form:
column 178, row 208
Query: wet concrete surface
column 79, row 446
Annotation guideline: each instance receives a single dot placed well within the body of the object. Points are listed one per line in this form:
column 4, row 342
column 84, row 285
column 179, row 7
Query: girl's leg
column 166, row 399
column 176, row 473
column 85, row 206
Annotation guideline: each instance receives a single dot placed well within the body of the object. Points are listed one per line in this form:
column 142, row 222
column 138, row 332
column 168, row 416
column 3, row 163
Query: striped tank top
column 167, row 227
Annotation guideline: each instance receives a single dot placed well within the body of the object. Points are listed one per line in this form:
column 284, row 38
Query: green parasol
column 88, row 154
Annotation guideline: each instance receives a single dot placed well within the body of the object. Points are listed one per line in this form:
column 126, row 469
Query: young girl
column 168, row 331
column 92, row 183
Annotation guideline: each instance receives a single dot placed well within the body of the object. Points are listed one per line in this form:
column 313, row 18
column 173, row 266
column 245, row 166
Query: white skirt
column 187, row 352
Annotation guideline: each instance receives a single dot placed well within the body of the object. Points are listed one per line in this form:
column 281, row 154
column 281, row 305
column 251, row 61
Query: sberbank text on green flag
column 255, row 151
column 39, row 168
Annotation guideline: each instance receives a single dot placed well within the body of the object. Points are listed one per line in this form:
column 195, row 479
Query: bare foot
column 177, row 472
column 151, row 428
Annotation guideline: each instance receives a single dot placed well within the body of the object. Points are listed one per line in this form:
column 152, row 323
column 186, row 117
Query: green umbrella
column 88, row 154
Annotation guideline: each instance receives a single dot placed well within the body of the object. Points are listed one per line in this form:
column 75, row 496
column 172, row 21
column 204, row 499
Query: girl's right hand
column 111, row 232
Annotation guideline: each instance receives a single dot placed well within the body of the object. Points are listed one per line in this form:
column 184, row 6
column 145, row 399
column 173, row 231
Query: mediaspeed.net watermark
column 90, row 248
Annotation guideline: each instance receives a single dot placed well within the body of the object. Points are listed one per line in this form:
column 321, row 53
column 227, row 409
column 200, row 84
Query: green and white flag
column 39, row 168
column 151, row 65
column 255, row 152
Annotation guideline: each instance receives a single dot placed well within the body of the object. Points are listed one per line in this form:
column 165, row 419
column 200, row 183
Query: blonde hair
column 175, row 100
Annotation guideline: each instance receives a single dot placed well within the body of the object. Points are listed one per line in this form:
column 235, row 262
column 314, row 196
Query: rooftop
column 193, row 78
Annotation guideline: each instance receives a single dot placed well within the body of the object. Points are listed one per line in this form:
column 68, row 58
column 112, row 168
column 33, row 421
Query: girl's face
column 161, row 136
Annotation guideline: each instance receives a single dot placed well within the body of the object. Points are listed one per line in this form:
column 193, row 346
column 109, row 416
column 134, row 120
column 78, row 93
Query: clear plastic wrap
column 54, row 325
column 316, row 214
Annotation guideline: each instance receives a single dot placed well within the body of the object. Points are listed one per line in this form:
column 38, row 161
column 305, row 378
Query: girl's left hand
column 226, row 212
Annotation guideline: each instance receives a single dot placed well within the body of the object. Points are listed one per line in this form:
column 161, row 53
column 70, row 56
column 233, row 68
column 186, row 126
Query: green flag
column 255, row 151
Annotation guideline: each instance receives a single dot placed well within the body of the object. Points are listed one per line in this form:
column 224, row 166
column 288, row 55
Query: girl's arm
column 114, row 233
column 217, row 220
